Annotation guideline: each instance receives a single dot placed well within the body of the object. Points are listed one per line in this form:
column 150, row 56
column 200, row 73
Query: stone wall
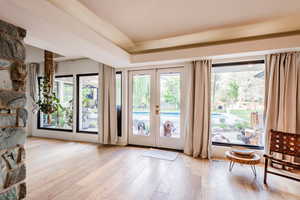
column 13, row 114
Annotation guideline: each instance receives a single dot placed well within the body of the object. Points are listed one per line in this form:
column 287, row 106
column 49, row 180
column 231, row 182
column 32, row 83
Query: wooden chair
column 285, row 144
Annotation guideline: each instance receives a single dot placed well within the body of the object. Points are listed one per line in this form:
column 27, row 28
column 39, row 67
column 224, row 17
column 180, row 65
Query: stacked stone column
column 13, row 114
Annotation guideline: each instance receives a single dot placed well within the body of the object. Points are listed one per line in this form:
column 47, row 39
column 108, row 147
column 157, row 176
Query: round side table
column 234, row 158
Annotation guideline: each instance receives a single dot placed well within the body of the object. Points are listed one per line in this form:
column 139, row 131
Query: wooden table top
column 243, row 160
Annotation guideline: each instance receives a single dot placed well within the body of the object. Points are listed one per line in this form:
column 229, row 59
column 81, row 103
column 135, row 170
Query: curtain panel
column 33, row 70
column 108, row 118
column 282, row 97
column 197, row 122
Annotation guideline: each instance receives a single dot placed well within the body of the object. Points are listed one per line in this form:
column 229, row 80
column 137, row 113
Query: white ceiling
column 143, row 20
column 52, row 29
column 117, row 32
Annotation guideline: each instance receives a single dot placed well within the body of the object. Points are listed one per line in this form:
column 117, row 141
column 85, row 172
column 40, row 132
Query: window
column 119, row 102
column 63, row 118
column 238, row 104
column 87, row 103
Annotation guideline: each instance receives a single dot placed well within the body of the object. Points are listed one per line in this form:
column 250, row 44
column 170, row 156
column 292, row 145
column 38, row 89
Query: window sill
column 87, row 132
column 240, row 145
column 55, row 129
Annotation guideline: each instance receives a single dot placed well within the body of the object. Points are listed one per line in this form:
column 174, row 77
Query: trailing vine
column 48, row 102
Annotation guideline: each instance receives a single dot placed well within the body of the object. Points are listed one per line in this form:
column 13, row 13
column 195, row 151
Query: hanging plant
column 48, row 102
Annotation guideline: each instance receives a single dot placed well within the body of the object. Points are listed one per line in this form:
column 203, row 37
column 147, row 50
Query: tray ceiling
column 123, row 32
column 143, row 20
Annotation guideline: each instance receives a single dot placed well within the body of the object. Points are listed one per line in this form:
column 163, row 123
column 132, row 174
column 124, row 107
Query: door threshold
column 153, row 147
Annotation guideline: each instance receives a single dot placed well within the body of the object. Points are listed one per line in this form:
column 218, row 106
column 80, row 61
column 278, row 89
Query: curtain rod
column 238, row 63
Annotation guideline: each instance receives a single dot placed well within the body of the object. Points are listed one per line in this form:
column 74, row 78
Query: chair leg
column 266, row 169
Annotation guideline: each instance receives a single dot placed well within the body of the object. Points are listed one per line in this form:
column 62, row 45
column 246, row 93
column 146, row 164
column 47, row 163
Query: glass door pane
column 170, row 105
column 141, row 104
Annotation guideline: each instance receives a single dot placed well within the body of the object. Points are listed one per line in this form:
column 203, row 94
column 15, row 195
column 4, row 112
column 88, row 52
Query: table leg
column 253, row 169
column 231, row 164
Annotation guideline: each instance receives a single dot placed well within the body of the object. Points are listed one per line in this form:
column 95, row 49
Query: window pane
column 88, row 103
column 238, row 104
column 119, row 102
column 119, row 89
column 63, row 118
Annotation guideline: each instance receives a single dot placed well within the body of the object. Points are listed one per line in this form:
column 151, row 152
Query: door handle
column 157, row 111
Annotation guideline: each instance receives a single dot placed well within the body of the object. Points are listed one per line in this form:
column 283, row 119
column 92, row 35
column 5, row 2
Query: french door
column 155, row 108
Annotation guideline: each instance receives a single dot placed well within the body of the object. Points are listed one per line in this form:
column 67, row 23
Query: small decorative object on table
column 243, row 156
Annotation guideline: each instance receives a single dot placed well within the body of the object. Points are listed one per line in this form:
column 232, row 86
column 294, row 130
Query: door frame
column 140, row 139
column 170, row 142
column 155, row 140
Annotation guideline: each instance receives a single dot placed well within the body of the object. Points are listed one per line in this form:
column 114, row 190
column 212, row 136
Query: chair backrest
column 285, row 143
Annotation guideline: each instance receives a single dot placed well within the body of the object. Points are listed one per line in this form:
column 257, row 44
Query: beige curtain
column 108, row 119
column 197, row 122
column 282, row 98
column 33, row 70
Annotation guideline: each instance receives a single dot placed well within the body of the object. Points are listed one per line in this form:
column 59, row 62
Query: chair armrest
column 268, row 156
column 283, row 162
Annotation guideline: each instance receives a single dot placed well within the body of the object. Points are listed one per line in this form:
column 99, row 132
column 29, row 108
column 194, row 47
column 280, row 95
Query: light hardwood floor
column 61, row 170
